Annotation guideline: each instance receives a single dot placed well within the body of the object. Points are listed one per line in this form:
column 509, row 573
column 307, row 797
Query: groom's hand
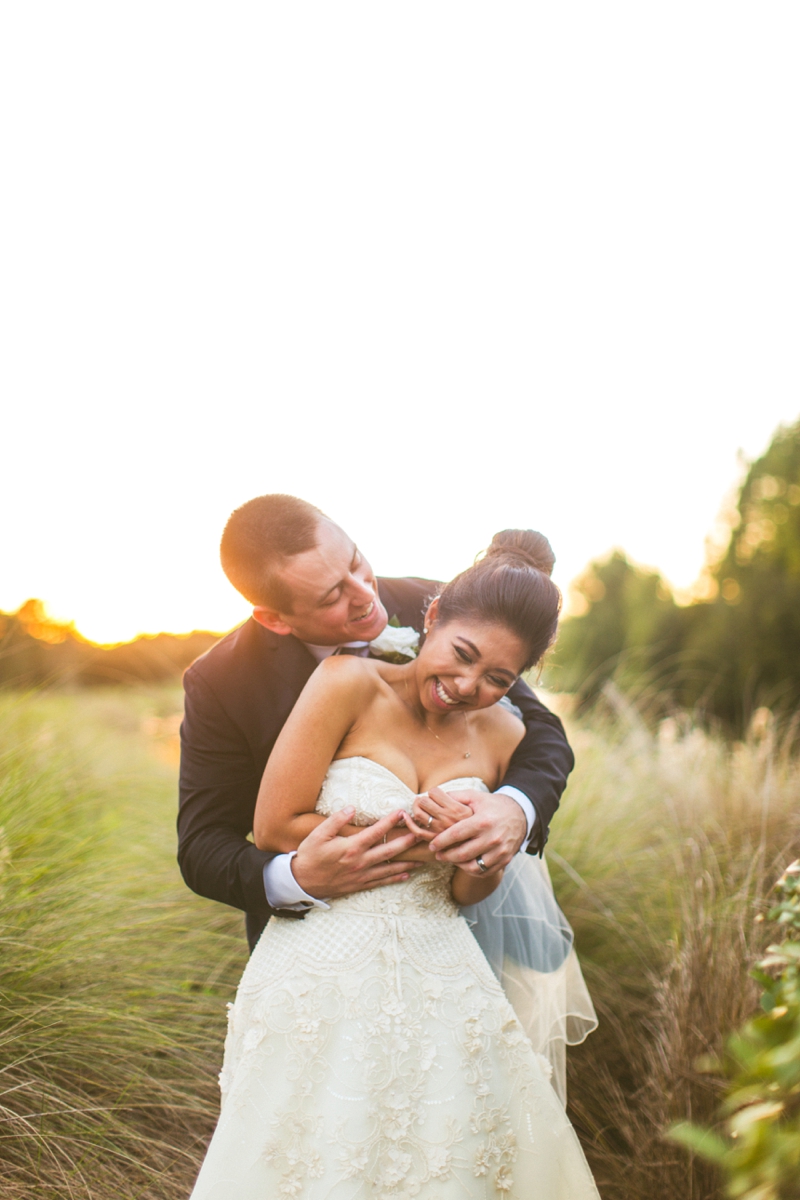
column 494, row 832
column 327, row 865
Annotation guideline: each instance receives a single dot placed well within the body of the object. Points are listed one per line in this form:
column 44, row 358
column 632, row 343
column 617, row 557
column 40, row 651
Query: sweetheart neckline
column 411, row 792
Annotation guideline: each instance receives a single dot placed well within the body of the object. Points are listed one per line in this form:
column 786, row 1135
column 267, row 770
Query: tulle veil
column 528, row 942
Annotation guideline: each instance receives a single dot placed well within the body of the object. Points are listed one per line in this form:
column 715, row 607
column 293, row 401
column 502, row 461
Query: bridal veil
column 528, row 943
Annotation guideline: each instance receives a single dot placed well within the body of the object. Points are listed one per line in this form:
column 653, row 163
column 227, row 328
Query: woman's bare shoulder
column 346, row 674
column 503, row 727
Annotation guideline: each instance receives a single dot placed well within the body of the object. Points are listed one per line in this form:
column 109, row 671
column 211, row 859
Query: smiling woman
column 511, row 586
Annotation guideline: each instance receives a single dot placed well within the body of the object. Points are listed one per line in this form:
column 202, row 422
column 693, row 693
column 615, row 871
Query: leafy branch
column 759, row 1150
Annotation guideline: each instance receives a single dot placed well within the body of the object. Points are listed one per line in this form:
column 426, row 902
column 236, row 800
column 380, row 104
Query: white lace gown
column 372, row 1055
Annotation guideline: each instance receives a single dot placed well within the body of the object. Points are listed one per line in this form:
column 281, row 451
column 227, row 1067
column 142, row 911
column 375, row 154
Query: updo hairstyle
column 509, row 585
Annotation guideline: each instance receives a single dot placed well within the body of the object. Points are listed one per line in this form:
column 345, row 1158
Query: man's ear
column 271, row 620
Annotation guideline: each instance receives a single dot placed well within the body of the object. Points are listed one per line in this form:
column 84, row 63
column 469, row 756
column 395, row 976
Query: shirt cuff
column 283, row 890
column 526, row 806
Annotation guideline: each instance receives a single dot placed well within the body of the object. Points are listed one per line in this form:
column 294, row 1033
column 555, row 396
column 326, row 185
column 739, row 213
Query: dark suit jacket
column 238, row 697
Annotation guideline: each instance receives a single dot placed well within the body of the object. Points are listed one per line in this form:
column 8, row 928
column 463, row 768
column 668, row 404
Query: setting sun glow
column 439, row 270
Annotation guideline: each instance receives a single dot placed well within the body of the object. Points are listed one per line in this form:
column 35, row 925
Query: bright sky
column 441, row 268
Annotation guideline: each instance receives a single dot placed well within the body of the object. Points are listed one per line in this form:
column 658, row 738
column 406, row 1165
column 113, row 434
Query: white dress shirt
column 280, row 885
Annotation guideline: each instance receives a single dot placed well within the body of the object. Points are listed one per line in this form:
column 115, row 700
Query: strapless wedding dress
column 372, row 1054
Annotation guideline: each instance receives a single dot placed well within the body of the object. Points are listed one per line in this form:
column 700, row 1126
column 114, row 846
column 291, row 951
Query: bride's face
column 466, row 663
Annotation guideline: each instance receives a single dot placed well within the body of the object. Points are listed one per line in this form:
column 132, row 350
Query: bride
column 371, row 1051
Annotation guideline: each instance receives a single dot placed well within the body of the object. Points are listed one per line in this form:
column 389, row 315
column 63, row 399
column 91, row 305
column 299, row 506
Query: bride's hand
column 435, row 811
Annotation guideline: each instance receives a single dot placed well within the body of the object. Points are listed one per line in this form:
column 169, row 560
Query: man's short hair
column 257, row 541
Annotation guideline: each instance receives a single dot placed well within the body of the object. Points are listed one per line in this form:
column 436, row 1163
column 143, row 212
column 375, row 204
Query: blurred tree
column 627, row 624
column 748, row 637
column 36, row 651
column 729, row 655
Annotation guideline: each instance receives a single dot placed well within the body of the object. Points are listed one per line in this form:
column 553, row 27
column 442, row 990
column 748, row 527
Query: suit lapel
column 284, row 669
column 292, row 661
column 407, row 599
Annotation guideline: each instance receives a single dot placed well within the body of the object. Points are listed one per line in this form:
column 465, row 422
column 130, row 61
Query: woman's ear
column 431, row 615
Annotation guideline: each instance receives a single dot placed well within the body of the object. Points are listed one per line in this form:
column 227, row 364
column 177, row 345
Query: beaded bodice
column 375, row 791
column 372, row 1055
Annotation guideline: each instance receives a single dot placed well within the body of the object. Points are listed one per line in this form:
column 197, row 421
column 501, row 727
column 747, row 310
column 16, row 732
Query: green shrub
column 663, row 855
column 759, row 1152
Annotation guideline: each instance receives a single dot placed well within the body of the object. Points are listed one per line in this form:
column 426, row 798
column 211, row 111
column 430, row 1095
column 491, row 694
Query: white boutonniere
column 397, row 643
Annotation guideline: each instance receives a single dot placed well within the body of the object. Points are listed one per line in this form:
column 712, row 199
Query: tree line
column 734, row 650
column 727, row 654
column 35, row 652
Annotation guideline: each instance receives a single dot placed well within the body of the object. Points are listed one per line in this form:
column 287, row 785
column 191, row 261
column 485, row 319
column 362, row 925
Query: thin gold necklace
column 410, row 706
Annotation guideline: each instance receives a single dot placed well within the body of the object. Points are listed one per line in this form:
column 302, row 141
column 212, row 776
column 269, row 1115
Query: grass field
column 114, row 978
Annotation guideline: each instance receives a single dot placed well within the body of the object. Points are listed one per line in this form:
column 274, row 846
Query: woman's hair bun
column 520, row 547
column 510, row 585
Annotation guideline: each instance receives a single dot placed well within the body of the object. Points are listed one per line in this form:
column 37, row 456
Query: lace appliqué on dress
column 372, row 1055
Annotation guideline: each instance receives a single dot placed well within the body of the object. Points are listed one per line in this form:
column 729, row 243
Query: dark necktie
column 358, row 651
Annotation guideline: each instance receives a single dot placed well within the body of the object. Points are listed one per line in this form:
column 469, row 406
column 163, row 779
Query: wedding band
column 430, row 822
column 481, row 864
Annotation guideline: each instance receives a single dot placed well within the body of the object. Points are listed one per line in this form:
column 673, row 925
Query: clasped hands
column 449, row 827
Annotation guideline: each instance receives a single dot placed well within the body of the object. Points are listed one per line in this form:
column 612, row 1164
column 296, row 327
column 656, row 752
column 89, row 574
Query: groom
column 314, row 594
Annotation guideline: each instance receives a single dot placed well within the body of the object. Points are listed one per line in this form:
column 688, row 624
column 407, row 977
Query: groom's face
column 334, row 593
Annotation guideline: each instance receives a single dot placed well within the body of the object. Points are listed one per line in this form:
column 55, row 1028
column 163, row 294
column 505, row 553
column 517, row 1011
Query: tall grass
column 113, row 977
column 663, row 856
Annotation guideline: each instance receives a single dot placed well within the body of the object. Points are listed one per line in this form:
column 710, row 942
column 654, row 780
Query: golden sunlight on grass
column 114, row 978
column 663, row 858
